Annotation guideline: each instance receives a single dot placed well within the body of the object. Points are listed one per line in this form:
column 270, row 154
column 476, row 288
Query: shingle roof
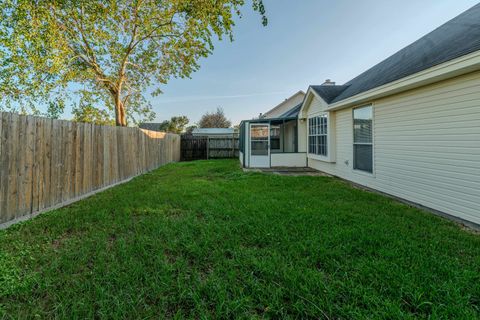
column 328, row 92
column 292, row 112
column 150, row 126
column 457, row 37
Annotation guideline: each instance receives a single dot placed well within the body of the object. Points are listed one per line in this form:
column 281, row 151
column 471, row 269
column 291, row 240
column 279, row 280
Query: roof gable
column 317, row 92
column 457, row 37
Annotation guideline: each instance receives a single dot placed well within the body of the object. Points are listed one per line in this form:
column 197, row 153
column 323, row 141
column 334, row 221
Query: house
column 408, row 127
column 152, row 126
column 214, row 132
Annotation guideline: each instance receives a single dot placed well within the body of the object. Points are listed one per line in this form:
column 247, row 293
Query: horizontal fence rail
column 45, row 162
column 203, row 147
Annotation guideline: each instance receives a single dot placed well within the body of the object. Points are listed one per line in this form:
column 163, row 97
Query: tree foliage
column 175, row 124
column 215, row 119
column 85, row 112
column 107, row 51
column 189, row 129
column 55, row 109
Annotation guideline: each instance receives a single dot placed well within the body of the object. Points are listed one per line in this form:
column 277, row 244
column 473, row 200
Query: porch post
column 296, row 136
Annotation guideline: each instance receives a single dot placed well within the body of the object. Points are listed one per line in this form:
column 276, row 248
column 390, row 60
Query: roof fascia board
column 272, row 119
column 462, row 65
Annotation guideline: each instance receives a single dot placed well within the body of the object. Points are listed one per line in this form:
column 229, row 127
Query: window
column 362, row 139
column 317, row 135
column 275, row 137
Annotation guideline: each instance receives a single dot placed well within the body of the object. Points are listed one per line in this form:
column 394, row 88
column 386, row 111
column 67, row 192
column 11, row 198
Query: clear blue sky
column 305, row 42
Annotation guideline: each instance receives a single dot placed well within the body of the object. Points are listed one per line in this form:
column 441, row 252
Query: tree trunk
column 120, row 116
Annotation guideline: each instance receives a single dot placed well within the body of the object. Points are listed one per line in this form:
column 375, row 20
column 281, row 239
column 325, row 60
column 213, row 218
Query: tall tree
column 215, row 119
column 112, row 50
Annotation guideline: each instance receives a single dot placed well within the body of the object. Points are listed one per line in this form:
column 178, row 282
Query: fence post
column 208, row 147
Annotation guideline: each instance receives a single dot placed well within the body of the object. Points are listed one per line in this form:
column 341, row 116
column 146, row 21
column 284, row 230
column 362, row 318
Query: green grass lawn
column 205, row 240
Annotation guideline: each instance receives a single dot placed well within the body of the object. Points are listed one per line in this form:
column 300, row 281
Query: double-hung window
column 318, row 135
column 363, row 139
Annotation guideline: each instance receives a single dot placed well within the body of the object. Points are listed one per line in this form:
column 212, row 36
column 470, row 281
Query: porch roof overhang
column 269, row 120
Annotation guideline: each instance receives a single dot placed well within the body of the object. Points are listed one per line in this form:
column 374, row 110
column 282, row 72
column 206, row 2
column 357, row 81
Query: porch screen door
column 259, row 145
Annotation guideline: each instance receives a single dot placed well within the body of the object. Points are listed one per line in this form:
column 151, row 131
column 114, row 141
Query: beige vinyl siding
column 302, row 138
column 426, row 147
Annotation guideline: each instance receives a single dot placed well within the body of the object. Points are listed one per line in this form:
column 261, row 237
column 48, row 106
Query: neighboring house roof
column 150, row 126
column 213, row 131
column 292, row 113
column 457, row 37
column 277, row 110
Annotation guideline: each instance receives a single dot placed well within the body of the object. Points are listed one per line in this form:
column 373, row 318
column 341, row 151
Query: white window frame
column 359, row 171
column 319, row 129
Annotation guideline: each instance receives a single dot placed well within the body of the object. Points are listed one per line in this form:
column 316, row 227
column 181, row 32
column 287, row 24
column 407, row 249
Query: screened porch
column 270, row 143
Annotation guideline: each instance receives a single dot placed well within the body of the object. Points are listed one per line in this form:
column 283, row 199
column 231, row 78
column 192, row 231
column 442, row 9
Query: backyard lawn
column 206, row 240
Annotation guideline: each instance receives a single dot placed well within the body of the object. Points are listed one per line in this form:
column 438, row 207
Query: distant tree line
column 179, row 124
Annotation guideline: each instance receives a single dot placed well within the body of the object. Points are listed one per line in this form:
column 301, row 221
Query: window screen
column 363, row 139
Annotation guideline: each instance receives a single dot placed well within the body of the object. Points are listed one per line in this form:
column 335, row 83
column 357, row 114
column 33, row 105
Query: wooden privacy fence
column 193, row 148
column 45, row 163
column 202, row 147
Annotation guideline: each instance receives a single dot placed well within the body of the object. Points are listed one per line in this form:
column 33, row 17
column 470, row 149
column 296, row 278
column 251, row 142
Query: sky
column 304, row 43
